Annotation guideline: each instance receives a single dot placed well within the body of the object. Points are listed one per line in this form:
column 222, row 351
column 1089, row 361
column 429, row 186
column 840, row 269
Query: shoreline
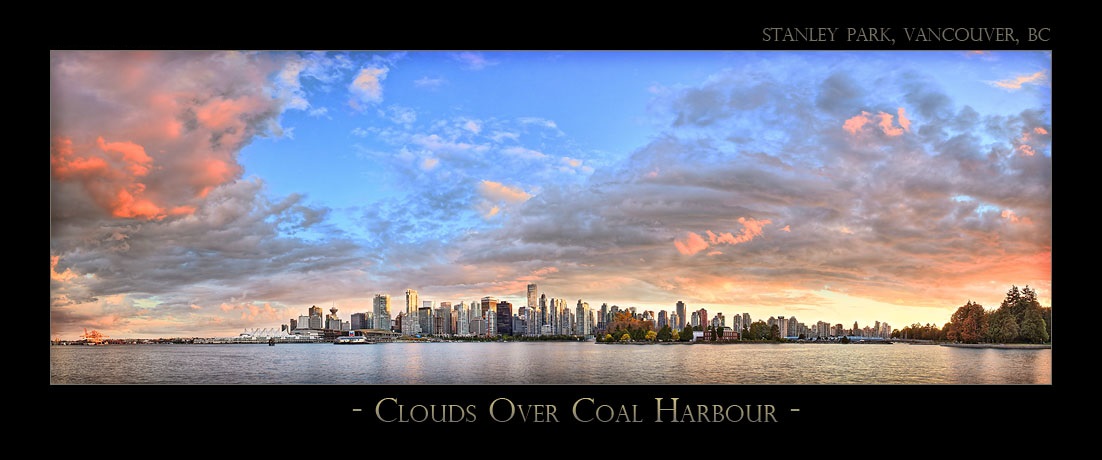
column 1001, row 346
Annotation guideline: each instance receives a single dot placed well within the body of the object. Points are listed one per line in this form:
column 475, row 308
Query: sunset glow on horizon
column 201, row 193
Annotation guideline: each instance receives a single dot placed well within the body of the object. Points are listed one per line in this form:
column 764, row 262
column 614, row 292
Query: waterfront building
column 303, row 322
column 294, row 324
column 680, row 310
column 504, row 318
column 359, row 321
column 381, row 310
column 425, row 323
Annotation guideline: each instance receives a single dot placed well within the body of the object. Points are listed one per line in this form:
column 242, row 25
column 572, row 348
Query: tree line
column 1019, row 319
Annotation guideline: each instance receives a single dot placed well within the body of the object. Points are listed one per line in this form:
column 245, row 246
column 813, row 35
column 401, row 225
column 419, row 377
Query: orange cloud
column 858, row 122
column 787, row 229
column 692, row 244
column 1017, row 82
column 63, row 276
column 1040, row 130
column 1014, row 218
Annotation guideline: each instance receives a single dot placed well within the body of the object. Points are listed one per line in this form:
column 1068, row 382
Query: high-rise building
column 442, row 321
column 533, row 299
column 462, row 320
column 703, row 317
column 793, row 329
column 746, row 321
column 663, row 320
column 489, row 307
column 856, row 328
column 359, row 321
column 694, row 319
column 411, row 302
column 681, row 314
column 381, row 310
column 504, row 318
column 294, row 324
column 603, row 318
column 428, row 304
column 315, row 311
column 675, row 320
column 719, row 320
column 581, row 315
column 424, row 320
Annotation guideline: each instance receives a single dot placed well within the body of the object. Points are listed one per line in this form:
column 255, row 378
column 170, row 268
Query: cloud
column 522, row 152
column 367, row 87
column 318, row 112
column 472, row 126
column 690, row 244
column 496, row 191
column 857, row 122
column 428, row 164
column 154, row 135
column 473, row 61
column 786, row 228
column 359, row 132
column 1037, row 78
column 399, row 114
column 429, row 83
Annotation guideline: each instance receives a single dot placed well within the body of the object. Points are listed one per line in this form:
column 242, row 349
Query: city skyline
column 201, row 193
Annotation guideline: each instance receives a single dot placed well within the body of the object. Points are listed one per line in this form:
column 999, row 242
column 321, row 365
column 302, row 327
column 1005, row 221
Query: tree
column 625, row 337
column 675, row 336
column 758, row 331
column 1033, row 328
column 775, row 333
column 967, row 323
column 665, row 333
column 608, row 337
column 651, row 335
column 713, row 329
column 687, row 333
column 1001, row 327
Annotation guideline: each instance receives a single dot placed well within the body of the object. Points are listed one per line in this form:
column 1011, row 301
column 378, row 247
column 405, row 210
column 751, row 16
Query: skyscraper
column 663, row 320
column 489, row 307
column 359, row 321
column 533, row 300
column 504, row 318
column 681, row 314
column 411, row 302
column 381, row 308
column 746, row 320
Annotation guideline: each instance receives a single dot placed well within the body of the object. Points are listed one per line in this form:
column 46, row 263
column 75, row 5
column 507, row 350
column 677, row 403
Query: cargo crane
column 94, row 337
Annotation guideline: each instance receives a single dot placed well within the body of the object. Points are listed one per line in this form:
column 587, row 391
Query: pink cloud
column 787, row 229
column 1040, row 130
column 694, row 243
column 715, row 253
column 691, row 244
column 162, row 129
column 368, row 87
column 903, row 120
column 856, row 123
column 496, row 191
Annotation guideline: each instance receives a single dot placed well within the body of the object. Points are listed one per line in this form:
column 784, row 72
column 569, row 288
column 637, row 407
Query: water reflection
column 547, row 363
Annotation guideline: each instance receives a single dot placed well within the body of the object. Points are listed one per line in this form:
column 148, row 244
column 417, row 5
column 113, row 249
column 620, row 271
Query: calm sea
column 546, row 363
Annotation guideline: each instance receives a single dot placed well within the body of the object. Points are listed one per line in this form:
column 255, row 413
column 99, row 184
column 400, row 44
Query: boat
column 351, row 340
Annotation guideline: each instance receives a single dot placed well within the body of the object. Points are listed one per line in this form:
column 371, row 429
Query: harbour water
column 546, row 363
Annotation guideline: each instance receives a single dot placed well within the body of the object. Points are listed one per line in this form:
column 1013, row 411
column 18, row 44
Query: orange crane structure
column 94, row 337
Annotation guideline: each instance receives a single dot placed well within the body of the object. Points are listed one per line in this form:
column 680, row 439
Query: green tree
column 714, row 334
column 665, row 333
column 1001, row 327
column 625, row 337
column 775, row 333
column 758, row 331
column 651, row 335
column 1033, row 328
column 687, row 333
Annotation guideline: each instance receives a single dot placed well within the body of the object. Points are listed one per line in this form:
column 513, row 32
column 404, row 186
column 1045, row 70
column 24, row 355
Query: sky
column 202, row 193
